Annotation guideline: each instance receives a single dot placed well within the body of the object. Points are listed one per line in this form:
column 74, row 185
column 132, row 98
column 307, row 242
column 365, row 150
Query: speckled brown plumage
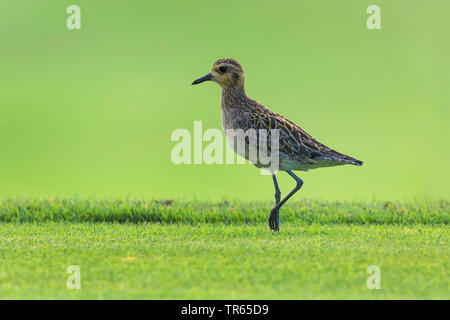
column 298, row 150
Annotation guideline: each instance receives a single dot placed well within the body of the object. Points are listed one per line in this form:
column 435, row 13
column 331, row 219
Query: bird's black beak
column 208, row 77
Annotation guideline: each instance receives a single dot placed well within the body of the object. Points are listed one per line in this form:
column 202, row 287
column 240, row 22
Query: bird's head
column 228, row 73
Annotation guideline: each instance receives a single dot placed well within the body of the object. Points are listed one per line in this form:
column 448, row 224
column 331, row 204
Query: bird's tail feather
column 339, row 159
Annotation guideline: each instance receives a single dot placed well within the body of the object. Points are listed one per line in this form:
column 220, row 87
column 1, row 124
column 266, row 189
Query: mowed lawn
column 193, row 250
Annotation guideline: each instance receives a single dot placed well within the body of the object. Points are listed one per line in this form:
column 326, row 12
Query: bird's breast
column 233, row 119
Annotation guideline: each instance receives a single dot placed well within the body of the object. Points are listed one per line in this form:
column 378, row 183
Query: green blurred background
column 90, row 112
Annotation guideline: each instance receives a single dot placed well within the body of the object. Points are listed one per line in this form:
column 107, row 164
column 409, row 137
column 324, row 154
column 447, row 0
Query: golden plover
column 297, row 149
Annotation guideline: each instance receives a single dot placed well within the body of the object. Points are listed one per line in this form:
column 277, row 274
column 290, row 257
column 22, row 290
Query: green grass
column 170, row 211
column 193, row 250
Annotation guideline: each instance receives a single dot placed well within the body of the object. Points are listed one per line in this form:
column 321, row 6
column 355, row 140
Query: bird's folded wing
column 293, row 140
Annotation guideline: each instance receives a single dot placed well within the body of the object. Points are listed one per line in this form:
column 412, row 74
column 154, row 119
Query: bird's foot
column 273, row 221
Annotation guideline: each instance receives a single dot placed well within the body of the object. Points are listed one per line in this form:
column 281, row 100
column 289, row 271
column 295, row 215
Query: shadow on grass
column 193, row 212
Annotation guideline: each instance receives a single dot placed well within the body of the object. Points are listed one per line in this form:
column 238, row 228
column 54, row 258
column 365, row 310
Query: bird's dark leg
column 274, row 215
column 277, row 207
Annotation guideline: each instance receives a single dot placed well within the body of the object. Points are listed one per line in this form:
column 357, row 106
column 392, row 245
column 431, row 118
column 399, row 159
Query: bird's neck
column 233, row 97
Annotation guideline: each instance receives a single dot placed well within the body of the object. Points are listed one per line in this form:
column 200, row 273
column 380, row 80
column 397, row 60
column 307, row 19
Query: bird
column 297, row 149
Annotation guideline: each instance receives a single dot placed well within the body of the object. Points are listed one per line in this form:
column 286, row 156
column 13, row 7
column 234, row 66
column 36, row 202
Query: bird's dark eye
column 223, row 69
